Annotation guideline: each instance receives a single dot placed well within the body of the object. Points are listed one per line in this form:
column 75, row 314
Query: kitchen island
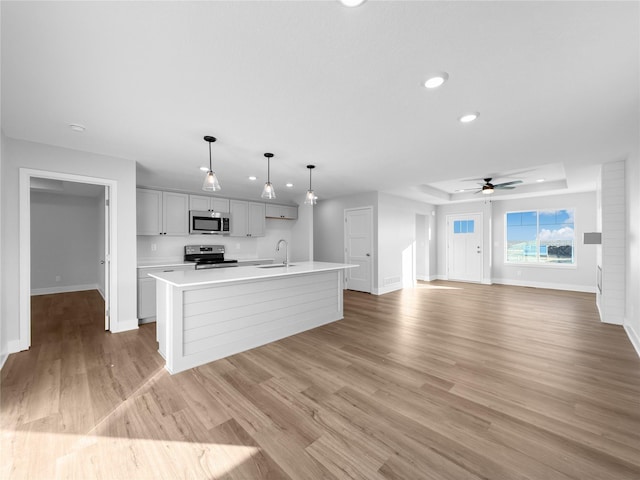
column 206, row 315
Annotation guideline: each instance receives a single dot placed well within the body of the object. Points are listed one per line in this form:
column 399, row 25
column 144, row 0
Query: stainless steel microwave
column 209, row 223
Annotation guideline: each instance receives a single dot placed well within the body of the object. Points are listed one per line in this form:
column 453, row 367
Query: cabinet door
column 199, row 202
column 239, row 218
column 256, row 219
column 175, row 213
column 273, row 211
column 146, row 297
column 291, row 212
column 281, row 211
column 220, row 204
column 149, row 212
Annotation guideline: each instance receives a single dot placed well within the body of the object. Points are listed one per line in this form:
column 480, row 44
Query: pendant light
column 210, row 183
column 268, row 191
column 310, row 198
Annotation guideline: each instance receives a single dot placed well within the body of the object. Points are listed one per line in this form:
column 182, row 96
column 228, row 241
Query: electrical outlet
column 154, row 247
column 58, row 278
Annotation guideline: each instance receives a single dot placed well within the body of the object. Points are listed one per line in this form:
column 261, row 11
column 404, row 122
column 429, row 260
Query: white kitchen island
column 205, row 315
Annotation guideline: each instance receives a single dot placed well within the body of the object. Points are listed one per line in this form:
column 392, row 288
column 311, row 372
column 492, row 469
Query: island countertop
column 194, row 278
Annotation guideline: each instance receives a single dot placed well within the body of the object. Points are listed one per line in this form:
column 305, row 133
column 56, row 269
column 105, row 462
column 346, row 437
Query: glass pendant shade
column 310, row 198
column 210, row 183
column 268, row 191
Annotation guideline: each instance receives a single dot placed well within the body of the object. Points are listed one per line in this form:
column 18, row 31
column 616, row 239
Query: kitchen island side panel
column 219, row 320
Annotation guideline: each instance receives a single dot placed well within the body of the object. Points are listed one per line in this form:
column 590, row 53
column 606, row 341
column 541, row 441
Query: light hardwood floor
column 444, row 381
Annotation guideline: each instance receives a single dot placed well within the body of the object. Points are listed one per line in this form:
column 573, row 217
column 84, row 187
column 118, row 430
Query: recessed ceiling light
column 204, row 169
column 77, row 127
column 352, row 3
column 469, row 117
column 540, row 180
column 252, row 178
column 289, row 184
column 436, row 80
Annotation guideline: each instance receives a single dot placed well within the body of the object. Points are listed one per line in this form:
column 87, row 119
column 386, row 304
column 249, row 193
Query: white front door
column 358, row 243
column 464, row 247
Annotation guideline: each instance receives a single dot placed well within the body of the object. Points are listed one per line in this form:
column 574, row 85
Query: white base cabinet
column 147, row 290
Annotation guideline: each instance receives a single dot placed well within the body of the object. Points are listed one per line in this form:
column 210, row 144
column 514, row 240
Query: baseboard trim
column 125, row 326
column 633, row 337
column 3, row 360
column 64, row 289
column 101, row 292
column 387, row 289
column 14, row 346
column 550, row 286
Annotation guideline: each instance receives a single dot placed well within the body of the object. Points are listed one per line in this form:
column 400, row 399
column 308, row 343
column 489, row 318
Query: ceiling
column 556, row 85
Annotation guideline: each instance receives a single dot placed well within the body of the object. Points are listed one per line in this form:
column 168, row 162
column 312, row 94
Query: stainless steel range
column 207, row 256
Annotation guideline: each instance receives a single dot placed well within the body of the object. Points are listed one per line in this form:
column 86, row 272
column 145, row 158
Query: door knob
column 101, row 262
column 368, row 255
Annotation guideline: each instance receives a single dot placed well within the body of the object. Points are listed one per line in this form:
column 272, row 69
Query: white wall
column 482, row 206
column 169, row 247
column 4, row 351
column 632, row 278
column 397, row 244
column 328, row 227
column 19, row 153
column 302, row 235
column 394, row 236
column 65, row 242
column 579, row 278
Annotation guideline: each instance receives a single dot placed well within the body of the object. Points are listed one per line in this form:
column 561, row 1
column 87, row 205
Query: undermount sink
column 276, row 265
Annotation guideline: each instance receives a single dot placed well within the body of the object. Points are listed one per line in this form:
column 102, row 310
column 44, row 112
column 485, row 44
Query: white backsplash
column 163, row 247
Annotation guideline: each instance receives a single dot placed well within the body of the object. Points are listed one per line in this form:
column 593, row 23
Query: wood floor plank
column 413, row 384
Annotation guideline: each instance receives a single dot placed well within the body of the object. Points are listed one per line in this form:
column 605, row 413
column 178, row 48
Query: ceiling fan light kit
column 488, row 188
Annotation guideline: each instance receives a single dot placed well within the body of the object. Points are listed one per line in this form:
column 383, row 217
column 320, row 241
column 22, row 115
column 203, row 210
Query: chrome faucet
column 286, row 250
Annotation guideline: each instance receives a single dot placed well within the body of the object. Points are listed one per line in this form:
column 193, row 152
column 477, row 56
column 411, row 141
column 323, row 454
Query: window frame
column 539, row 264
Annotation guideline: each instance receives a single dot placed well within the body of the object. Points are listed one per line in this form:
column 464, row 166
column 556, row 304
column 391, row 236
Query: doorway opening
column 60, row 214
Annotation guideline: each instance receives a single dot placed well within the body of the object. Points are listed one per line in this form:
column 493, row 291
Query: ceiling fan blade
column 503, row 188
column 500, row 185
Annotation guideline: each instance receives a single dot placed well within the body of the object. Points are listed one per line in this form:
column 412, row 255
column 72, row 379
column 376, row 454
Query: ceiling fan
column 488, row 187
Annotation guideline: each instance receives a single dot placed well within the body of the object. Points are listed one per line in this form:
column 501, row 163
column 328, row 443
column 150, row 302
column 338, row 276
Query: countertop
column 193, row 278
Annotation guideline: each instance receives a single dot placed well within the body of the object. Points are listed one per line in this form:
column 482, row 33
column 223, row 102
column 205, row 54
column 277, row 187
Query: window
column 463, row 226
column 540, row 237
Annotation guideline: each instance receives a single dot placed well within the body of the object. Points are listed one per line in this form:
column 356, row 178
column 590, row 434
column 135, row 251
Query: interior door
column 106, row 262
column 358, row 229
column 464, row 247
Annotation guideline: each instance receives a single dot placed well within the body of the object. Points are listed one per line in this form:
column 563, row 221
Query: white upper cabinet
column 204, row 204
column 281, row 211
column 256, row 226
column 247, row 219
column 149, row 212
column 162, row 213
